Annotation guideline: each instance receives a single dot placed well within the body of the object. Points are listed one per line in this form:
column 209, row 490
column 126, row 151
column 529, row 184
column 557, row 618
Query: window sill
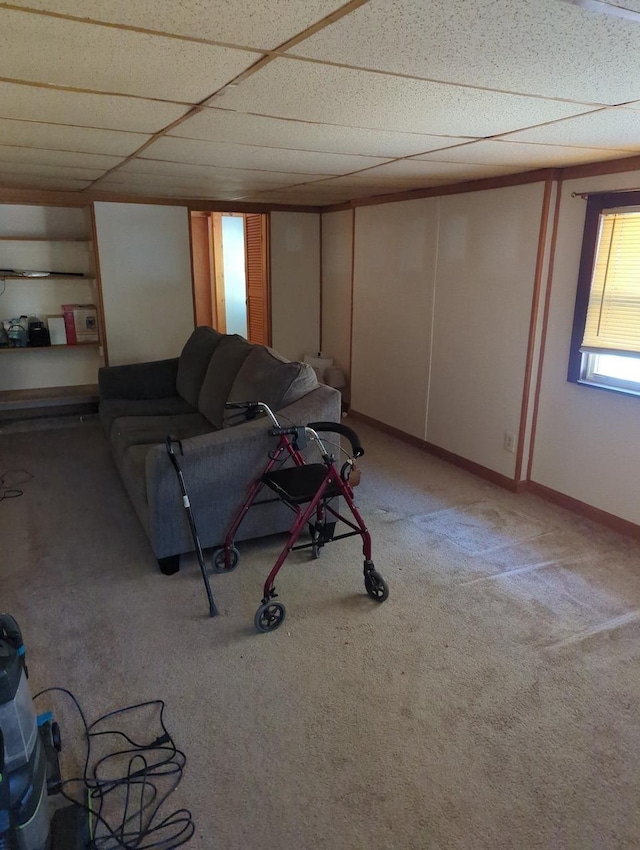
column 608, row 388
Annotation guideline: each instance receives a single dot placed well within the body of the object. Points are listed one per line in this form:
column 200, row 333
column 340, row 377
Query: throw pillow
column 264, row 376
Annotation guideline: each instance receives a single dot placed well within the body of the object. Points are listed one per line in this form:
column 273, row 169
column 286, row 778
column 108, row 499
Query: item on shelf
column 57, row 330
column 4, row 339
column 34, row 273
column 18, row 332
column 81, row 323
column 38, row 334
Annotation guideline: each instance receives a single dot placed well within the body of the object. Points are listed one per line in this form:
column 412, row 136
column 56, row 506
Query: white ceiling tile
column 163, row 191
column 28, row 181
column 246, row 156
column 152, row 169
column 58, row 137
column 505, row 153
column 541, row 47
column 221, row 125
column 32, row 103
column 370, row 180
column 219, row 179
column 59, row 171
column 307, row 91
column 304, row 198
column 614, row 129
column 264, row 25
column 71, row 53
column 42, row 156
column 418, row 169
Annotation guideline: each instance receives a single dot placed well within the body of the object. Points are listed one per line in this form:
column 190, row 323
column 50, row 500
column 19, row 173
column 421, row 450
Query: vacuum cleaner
column 30, row 779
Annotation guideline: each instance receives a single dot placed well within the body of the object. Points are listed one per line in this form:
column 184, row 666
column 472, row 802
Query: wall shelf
column 15, row 403
column 46, row 277
column 60, row 239
column 15, row 349
column 43, row 239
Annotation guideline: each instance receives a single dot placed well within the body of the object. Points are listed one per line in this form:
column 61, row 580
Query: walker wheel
column 269, row 616
column 219, row 560
column 376, row 586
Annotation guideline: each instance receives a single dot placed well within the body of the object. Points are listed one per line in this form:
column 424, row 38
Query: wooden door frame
column 216, row 265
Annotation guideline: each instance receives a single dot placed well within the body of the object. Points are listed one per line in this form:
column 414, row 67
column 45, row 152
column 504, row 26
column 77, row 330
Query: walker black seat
column 299, row 484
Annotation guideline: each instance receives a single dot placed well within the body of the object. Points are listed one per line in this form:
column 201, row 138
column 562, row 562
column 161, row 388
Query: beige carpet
column 492, row 702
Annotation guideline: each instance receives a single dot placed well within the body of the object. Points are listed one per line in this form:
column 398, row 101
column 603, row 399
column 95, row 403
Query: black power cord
column 124, row 788
column 10, row 490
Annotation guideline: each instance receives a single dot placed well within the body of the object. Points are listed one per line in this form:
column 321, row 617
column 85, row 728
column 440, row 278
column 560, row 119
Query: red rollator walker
column 308, row 489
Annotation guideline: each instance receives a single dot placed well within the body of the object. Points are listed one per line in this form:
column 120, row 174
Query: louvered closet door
column 258, row 317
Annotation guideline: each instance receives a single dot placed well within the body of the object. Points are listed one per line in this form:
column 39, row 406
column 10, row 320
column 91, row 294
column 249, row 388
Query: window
column 605, row 344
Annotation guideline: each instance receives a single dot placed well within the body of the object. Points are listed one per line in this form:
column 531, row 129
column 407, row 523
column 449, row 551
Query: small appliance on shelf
column 18, row 332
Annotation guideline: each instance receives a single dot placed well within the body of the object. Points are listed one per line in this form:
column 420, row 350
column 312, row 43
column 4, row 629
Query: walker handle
column 338, row 428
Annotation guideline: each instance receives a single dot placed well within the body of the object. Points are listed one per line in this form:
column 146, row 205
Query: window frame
column 595, row 205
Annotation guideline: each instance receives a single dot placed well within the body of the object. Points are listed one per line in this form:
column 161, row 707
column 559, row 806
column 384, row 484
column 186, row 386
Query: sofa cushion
column 264, row 376
column 116, row 408
column 194, row 361
column 224, row 365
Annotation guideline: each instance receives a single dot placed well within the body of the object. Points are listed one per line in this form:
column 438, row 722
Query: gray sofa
column 142, row 403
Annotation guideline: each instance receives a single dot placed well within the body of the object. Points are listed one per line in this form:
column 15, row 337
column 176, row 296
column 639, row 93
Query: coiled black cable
column 124, row 805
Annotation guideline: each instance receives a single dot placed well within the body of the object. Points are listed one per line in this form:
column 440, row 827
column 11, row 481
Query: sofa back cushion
column 265, row 376
column 224, row 365
column 194, row 362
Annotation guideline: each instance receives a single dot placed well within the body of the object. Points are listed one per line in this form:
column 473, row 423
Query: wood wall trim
column 533, row 325
column 598, row 169
column 51, row 198
column 616, row 523
column 353, row 269
column 457, row 460
column 481, row 185
column 545, row 325
column 96, row 262
column 268, row 267
column 320, row 334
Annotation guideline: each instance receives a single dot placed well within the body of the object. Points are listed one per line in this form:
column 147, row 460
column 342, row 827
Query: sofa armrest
column 156, row 379
column 218, row 468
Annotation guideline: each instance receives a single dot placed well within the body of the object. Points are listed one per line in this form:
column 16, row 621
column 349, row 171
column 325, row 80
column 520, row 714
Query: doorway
column 231, row 273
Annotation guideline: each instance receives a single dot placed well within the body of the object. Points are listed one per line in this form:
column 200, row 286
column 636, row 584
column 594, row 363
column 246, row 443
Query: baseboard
column 457, row 460
column 616, row 523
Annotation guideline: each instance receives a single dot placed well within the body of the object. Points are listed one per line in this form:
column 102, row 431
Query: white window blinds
column 613, row 314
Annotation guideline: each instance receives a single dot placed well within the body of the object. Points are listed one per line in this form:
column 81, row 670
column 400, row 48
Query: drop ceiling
column 308, row 101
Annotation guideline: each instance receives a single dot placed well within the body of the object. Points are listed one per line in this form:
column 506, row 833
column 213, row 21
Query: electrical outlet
column 509, row 443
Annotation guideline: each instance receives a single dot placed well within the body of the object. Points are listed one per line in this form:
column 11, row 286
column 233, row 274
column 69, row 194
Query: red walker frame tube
column 332, row 476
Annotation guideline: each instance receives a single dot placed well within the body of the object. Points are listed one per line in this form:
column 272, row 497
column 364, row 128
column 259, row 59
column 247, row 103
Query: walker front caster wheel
column 222, row 564
column 269, row 616
column 376, row 586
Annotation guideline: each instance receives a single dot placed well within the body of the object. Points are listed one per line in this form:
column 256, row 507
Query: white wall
column 586, row 443
column 145, row 264
column 295, row 283
column 484, row 285
column 337, row 238
column 395, row 254
column 442, row 301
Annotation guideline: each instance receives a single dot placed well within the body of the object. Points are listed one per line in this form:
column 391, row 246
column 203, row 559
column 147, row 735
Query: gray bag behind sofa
column 142, row 403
